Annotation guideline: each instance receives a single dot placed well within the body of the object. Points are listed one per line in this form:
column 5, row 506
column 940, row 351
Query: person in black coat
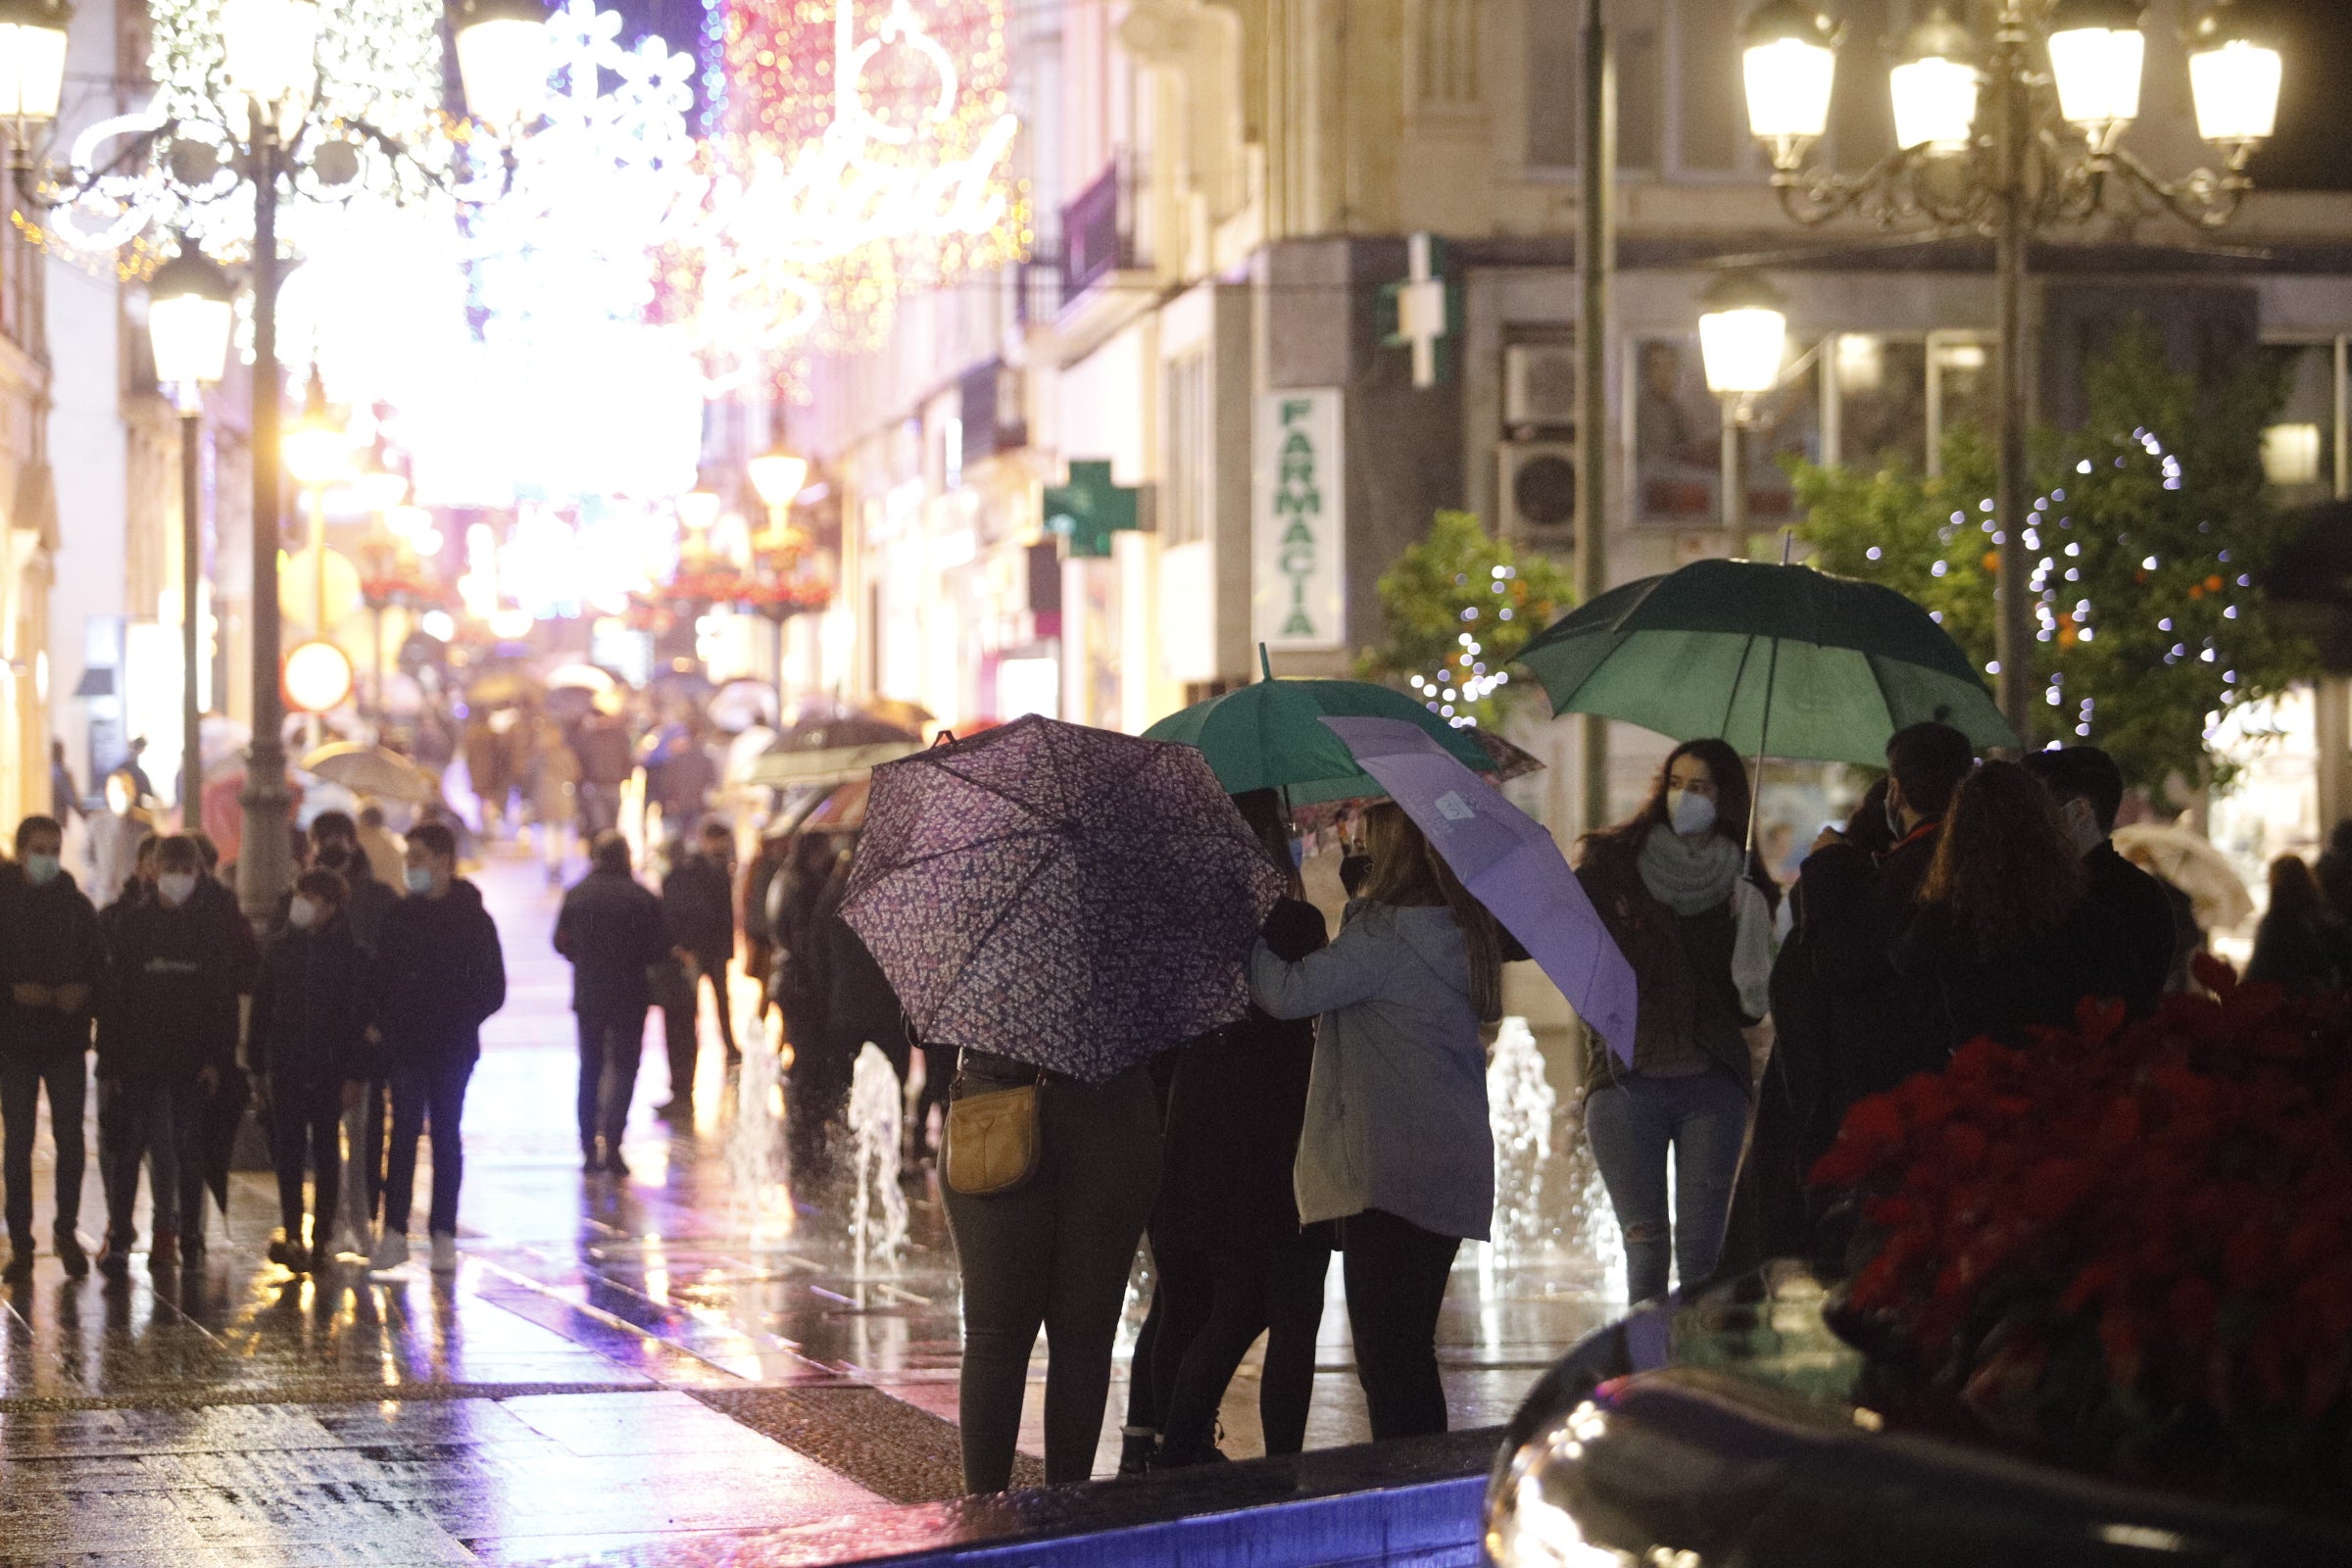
column 612, row 930
column 439, row 974
column 2299, row 943
column 1234, row 1262
column 2089, row 791
column 52, row 959
column 698, row 904
column 334, row 846
column 2005, row 939
column 857, row 1006
column 168, row 1021
column 309, row 1034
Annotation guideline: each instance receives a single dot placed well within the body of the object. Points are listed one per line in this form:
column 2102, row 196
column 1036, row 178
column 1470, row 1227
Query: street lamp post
column 2003, row 147
column 190, row 312
column 778, row 475
column 1743, row 339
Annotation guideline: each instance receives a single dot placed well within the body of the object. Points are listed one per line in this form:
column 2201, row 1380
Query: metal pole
column 191, row 569
column 2013, row 637
column 1733, row 480
column 1595, row 259
column 266, row 858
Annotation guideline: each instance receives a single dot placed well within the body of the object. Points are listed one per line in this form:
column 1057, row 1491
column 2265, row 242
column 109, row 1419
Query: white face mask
column 418, row 879
column 1688, row 813
column 2082, row 825
column 40, row 869
column 176, row 886
column 302, row 914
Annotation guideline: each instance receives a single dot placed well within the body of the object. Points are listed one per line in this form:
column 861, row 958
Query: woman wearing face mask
column 51, row 959
column 309, row 1015
column 1692, row 910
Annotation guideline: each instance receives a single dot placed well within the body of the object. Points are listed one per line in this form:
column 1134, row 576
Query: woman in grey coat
column 1396, row 1146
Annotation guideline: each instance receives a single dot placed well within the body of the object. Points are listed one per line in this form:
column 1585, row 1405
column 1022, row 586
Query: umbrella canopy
column 740, row 704
column 832, row 748
column 1511, row 864
column 1068, row 897
column 1265, row 736
column 2191, row 862
column 501, row 687
column 222, row 741
column 1778, row 660
column 581, row 678
column 371, row 770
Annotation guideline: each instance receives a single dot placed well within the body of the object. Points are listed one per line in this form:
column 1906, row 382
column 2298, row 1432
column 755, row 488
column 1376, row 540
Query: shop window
column 1678, row 439
column 2300, row 452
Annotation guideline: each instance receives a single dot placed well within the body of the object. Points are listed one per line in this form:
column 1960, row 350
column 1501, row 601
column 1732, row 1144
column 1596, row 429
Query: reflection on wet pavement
column 657, row 1369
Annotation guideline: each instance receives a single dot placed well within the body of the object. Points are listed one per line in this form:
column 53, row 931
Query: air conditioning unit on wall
column 1538, row 387
column 1536, row 492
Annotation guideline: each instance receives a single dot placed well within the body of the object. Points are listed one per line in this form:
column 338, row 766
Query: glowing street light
column 32, row 63
column 778, row 475
column 1743, row 341
column 1934, row 86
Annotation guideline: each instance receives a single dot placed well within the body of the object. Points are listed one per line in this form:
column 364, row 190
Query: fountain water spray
column 877, row 1117
column 758, row 1165
column 1520, row 1103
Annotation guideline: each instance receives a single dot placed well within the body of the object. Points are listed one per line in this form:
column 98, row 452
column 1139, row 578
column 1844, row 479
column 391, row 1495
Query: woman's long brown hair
column 2004, row 865
column 1406, row 872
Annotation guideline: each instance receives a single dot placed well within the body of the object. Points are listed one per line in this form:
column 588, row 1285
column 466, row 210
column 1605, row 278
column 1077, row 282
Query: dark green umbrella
column 1778, row 660
column 1266, row 736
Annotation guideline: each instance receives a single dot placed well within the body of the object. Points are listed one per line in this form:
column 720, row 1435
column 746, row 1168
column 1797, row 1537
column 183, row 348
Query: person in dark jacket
column 2089, row 791
column 606, row 763
column 52, row 959
column 2299, row 943
column 1234, row 1259
column 611, row 929
column 2004, row 939
column 309, row 1032
column 758, row 935
column 439, row 974
column 336, row 846
column 1690, row 908
column 860, row 1007
column 798, row 979
column 166, row 1037
column 2333, row 870
column 698, row 904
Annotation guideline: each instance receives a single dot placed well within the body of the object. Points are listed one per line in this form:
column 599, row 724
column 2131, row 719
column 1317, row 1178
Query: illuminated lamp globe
column 33, row 58
column 503, row 61
column 699, row 508
column 269, row 48
column 316, row 678
column 190, row 312
column 1935, row 88
column 317, row 448
column 1789, row 54
column 378, row 488
column 777, row 474
column 1743, row 336
column 2233, row 73
column 2096, row 51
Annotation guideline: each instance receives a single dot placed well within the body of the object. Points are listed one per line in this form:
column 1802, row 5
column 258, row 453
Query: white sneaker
column 445, row 1252
column 390, row 1253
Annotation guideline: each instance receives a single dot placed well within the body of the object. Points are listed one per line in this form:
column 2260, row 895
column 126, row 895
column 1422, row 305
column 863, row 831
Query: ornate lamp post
column 2004, row 139
column 1743, row 339
column 190, row 310
column 777, row 475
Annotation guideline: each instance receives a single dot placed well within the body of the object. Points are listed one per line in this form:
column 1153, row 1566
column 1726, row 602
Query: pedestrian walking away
column 52, row 960
column 610, row 928
column 1395, row 1143
column 167, row 1020
column 698, row 904
column 2299, row 945
column 439, row 974
column 1691, row 909
column 311, row 1018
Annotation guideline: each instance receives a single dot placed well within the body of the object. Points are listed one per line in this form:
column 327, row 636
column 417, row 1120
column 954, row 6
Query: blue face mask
column 418, row 879
column 40, row 869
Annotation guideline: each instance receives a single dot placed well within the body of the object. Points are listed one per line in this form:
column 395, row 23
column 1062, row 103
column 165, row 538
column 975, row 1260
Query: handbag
column 994, row 1140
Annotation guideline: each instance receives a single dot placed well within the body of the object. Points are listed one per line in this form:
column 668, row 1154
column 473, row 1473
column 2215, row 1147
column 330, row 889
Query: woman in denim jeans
column 1692, row 910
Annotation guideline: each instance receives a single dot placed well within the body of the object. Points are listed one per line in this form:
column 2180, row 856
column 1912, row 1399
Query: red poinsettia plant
column 2124, row 1240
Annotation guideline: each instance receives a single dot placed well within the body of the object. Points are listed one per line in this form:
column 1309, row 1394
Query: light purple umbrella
column 1509, row 863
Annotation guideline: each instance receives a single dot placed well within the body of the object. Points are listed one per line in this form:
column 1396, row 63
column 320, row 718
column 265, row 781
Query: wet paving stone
column 667, row 1369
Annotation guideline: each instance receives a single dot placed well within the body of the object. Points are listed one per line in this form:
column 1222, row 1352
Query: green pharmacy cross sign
column 1090, row 508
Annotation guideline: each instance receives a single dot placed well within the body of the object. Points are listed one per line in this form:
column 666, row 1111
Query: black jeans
column 1396, row 1274
column 306, row 1129
column 1054, row 1252
column 153, row 1119
column 423, row 1092
column 612, row 1042
column 1217, row 1308
column 23, row 1074
column 710, row 966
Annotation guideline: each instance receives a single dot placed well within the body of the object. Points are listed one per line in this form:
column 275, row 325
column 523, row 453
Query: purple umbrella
column 1064, row 896
column 1509, row 863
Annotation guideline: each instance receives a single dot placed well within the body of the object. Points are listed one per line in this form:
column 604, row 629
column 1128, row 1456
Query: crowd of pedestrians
column 356, row 1018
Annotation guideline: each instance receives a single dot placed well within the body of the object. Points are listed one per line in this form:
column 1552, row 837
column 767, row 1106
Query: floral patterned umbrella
column 1064, row 896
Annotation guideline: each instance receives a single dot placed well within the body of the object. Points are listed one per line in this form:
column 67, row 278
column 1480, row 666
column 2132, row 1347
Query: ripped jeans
column 1635, row 1123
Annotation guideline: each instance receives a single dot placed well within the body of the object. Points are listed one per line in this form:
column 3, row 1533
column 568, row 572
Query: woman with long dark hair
column 2003, row 932
column 2300, row 944
column 1690, row 908
column 1396, row 1146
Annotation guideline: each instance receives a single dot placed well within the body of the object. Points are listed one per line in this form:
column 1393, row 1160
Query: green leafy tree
column 2151, row 531
column 1460, row 605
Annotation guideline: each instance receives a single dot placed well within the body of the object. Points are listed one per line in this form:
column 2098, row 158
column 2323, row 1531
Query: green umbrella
column 1265, row 736
column 1778, row 660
